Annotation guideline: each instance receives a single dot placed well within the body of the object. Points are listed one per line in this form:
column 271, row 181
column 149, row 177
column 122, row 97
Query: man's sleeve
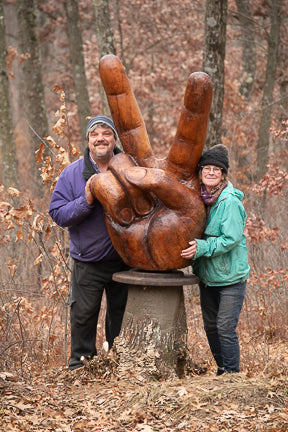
column 66, row 209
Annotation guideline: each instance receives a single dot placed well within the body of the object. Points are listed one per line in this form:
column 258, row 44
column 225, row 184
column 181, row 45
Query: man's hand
column 153, row 206
column 89, row 196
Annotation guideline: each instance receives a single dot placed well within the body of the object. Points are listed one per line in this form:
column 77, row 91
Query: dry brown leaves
column 80, row 401
column 256, row 230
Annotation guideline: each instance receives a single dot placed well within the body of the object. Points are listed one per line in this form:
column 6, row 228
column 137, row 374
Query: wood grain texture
column 153, row 207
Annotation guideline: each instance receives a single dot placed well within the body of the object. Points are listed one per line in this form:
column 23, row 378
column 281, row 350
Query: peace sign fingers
column 125, row 111
column 189, row 141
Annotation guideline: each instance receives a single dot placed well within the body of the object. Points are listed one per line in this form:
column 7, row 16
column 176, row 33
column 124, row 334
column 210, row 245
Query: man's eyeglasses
column 206, row 169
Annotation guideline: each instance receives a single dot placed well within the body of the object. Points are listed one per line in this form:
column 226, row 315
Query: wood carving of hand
column 153, row 206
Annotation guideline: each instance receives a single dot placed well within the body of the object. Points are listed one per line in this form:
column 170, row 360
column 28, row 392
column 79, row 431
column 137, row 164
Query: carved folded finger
column 113, row 198
column 125, row 111
column 173, row 194
column 132, row 244
column 142, row 203
column 190, row 137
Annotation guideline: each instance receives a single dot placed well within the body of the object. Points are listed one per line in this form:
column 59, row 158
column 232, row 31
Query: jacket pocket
column 217, row 269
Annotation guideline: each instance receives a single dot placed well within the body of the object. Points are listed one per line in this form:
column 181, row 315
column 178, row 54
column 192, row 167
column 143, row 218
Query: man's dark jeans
column 221, row 307
column 89, row 280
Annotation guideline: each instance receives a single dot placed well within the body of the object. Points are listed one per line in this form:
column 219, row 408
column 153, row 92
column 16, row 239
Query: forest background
column 49, row 87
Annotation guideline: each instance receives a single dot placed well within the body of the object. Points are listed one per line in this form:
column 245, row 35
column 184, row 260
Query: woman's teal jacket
column 221, row 257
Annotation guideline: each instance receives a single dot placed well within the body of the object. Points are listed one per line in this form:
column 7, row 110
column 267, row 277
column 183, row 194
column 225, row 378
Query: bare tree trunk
column 150, row 123
column 33, row 100
column 267, row 100
column 279, row 144
column 213, row 63
column 7, row 143
column 78, row 65
column 249, row 48
column 105, row 39
column 127, row 60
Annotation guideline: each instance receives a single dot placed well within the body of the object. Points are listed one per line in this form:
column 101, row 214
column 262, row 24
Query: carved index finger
column 190, row 137
column 125, row 111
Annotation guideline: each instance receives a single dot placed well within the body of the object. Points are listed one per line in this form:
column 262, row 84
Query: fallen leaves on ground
column 59, row 400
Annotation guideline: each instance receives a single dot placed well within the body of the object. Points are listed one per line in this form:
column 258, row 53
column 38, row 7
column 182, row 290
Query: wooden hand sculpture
column 153, row 206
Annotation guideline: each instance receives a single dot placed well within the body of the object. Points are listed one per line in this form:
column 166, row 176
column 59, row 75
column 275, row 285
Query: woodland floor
column 103, row 397
column 79, row 401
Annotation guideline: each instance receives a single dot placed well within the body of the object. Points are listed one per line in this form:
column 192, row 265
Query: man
column 94, row 257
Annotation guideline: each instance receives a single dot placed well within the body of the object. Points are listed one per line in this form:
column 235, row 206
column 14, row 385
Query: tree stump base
column 153, row 339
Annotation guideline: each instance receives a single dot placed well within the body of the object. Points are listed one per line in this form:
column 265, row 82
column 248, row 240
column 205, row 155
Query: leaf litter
column 87, row 400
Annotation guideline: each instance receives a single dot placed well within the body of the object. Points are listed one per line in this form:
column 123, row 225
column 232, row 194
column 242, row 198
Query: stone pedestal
column 153, row 339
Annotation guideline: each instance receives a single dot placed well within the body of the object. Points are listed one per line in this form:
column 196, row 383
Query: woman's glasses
column 206, row 169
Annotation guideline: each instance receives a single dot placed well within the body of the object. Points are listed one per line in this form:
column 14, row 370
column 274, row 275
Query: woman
column 220, row 258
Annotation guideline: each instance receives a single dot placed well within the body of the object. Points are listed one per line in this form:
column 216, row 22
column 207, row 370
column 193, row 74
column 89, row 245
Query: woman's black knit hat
column 216, row 155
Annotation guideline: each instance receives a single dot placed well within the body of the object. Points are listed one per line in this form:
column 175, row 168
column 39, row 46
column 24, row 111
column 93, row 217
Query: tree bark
column 7, row 143
column 267, row 99
column 127, row 56
column 105, row 39
column 248, row 47
column 33, row 99
column 213, row 63
column 153, row 338
column 279, row 144
column 78, row 65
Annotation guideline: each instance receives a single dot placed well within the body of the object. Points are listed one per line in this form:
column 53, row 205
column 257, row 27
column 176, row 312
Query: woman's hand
column 190, row 251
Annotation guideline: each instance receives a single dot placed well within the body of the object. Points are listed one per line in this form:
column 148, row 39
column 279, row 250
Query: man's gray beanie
column 94, row 121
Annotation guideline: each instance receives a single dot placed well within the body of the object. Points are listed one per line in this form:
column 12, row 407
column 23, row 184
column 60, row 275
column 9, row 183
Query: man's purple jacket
column 89, row 238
